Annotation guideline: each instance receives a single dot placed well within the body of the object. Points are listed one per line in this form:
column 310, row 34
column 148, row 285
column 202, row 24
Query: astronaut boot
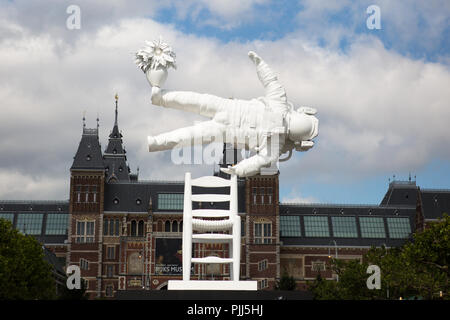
column 156, row 96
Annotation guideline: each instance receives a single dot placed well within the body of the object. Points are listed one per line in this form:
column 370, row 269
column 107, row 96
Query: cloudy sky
column 383, row 95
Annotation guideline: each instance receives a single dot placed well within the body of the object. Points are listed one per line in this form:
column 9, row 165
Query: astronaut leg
column 204, row 104
column 201, row 133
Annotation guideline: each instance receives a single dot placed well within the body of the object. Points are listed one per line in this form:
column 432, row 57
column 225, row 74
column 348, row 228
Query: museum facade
column 125, row 234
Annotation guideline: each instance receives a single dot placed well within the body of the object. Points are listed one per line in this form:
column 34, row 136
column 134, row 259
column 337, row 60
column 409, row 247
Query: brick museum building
column 125, row 234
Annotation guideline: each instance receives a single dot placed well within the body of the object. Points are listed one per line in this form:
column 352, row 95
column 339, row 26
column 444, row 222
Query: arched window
column 133, row 228
column 175, row 226
column 141, row 228
column 181, row 226
column 117, row 227
column 167, row 226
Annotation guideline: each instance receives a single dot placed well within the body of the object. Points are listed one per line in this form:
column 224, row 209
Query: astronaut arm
column 251, row 166
column 248, row 167
column 274, row 89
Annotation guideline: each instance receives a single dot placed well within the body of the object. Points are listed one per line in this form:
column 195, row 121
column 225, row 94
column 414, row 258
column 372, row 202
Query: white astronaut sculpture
column 268, row 125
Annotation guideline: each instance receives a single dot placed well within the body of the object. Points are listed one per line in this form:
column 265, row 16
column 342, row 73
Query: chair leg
column 187, row 251
column 236, row 248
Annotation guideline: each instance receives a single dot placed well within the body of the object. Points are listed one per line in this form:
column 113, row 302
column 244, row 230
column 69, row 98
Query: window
column 399, row 228
column 262, row 265
column 57, row 223
column 78, row 193
column 269, row 195
column 344, row 227
column 84, row 264
column 290, row 226
column 318, row 266
column 7, row 216
column 85, row 231
column 133, row 228
column 111, row 227
column 262, row 284
column 261, row 192
column 109, row 291
column 141, row 228
column 110, row 251
column 116, row 228
column 372, row 227
column 175, row 226
column 109, row 271
column 263, row 233
column 181, row 226
column 242, row 227
column 316, row 226
column 254, row 191
column 167, row 226
column 30, row 223
column 170, row 201
column 94, row 193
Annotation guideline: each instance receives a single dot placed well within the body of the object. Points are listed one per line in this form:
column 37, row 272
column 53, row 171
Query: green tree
column 24, row 274
column 286, row 282
column 418, row 269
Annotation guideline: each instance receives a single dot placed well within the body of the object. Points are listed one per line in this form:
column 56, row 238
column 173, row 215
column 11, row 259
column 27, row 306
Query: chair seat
column 211, row 225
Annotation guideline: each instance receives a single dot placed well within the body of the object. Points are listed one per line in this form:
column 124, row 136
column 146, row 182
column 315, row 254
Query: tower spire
column 117, row 100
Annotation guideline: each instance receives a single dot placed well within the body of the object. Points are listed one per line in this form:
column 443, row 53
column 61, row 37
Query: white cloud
column 297, row 197
column 18, row 186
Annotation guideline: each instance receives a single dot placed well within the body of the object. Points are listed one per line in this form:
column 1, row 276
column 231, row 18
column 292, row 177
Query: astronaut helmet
column 303, row 125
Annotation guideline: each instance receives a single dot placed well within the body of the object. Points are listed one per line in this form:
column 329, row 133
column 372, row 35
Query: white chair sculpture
column 193, row 220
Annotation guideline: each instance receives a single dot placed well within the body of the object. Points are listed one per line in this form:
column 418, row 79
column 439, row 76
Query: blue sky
column 382, row 95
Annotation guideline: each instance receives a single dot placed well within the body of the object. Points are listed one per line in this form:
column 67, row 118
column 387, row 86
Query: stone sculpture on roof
column 269, row 125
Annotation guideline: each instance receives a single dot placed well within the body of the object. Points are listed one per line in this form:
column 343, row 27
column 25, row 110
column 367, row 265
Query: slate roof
column 26, row 206
column 89, row 153
column 127, row 195
column 435, row 202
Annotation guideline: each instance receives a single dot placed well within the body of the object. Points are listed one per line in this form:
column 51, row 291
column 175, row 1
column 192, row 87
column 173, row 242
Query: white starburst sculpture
column 154, row 59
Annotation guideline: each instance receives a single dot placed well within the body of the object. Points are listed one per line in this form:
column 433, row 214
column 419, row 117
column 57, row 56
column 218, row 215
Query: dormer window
column 138, row 201
column 114, row 151
column 116, row 201
column 88, row 157
column 120, row 169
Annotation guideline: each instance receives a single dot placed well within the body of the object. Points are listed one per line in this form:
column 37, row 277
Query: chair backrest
column 210, row 182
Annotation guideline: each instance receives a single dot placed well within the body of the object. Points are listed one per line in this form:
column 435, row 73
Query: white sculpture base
column 212, row 285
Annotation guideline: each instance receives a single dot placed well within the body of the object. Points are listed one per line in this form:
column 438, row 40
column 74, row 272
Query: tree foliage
column 24, row 274
column 418, row 269
column 286, row 282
